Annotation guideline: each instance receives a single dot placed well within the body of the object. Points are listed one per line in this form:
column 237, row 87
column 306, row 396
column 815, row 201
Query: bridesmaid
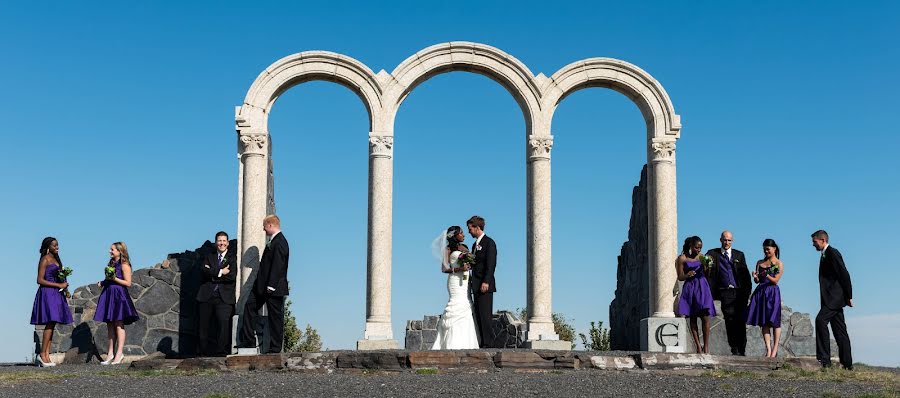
column 114, row 305
column 50, row 306
column 696, row 299
column 765, row 303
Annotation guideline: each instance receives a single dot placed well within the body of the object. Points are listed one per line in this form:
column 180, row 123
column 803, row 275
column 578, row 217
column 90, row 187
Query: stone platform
column 474, row 361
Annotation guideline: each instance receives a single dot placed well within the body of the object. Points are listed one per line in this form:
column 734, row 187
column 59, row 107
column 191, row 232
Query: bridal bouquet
column 774, row 270
column 467, row 259
column 62, row 274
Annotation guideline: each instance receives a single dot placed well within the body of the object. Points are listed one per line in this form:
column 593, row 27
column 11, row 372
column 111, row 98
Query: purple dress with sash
column 696, row 298
column 49, row 303
column 115, row 303
column 765, row 303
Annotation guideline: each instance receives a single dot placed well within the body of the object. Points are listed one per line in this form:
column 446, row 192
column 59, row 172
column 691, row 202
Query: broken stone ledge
column 476, row 361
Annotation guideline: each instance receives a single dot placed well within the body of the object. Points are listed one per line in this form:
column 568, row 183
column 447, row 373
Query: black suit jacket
column 835, row 289
column 485, row 264
column 273, row 268
column 209, row 272
column 740, row 272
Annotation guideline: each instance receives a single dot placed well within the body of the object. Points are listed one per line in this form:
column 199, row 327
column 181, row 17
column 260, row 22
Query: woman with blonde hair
column 114, row 305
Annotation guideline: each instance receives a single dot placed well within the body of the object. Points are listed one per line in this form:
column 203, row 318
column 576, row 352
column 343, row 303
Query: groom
column 482, row 281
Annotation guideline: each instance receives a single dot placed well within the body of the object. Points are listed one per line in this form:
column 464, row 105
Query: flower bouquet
column 774, row 270
column 467, row 259
column 62, row 274
column 707, row 263
column 110, row 272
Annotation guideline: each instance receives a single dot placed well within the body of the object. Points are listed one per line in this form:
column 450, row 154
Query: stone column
column 540, row 322
column 378, row 333
column 663, row 227
column 252, row 149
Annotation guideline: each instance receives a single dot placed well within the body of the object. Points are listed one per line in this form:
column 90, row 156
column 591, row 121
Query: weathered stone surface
column 135, row 291
column 311, row 361
column 513, row 359
column 612, row 362
column 451, row 360
column 428, row 338
column 372, row 360
column 414, row 340
column 75, row 356
column 155, row 364
column 158, row 299
column 202, row 364
column 142, row 277
column 631, row 302
column 430, row 322
column 134, row 333
column 163, row 275
column 255, row 362
column 162, row 340
column 134, row 350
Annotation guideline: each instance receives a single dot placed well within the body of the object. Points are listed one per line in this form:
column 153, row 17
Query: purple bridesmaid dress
column 49, row 303
column 115, row 303
column 765, row 303
column 696, row 298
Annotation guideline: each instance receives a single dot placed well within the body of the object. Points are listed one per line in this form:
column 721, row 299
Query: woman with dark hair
column 765, row 303
column 114, row 305
column 50, row 306
column 456, row 328
column 696, row 299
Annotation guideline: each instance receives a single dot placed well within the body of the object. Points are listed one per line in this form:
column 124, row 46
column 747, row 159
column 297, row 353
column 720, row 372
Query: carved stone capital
column 662, row 152
column 253, row 144
column 381, row 146
column 540, row 147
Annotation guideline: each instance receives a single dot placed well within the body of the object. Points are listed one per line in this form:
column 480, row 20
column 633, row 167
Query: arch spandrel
column 639, row 86
column 485, row 60
column 302, row 67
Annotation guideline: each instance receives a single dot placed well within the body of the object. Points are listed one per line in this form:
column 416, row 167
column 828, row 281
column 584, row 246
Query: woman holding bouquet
column 114, row 305
column 696, row 299
column 456, row 328
column 50, row 306
column 765, row 303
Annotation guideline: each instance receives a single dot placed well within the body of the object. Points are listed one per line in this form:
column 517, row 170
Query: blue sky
column 119, row 125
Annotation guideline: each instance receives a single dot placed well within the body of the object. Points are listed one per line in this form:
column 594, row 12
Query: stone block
column 515, row 359
column 413, row 340
column 157, row 299
column 377, row 360
column 163, row 275
column 255, row 362
column 801, row 346
column 136, row 332
column 155, row 364
column 607, row 362
column 415, row 325
column 667, row 361
column 428, row 338
column 76, row 356
column 430, row 322
column 162, row 340
column 202, row 364
column 369, row 345
column 311, row 361
column 552, row 345
column 663, row 335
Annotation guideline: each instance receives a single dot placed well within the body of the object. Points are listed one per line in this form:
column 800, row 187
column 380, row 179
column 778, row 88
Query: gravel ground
column 94, row 380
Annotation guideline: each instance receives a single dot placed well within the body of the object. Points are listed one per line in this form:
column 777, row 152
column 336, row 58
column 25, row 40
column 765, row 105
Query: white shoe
column 117, row 362
column 40, row 363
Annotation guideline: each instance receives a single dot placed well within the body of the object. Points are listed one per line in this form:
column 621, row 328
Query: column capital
column 539, row 146
column 662, row 151
column 381, row 146
column 252, row 144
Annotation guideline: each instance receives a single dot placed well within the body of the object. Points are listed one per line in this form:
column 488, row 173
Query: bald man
column 729, row 280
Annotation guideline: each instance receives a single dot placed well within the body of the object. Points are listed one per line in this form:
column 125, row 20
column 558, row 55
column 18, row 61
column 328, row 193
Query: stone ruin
column 508, row 331
column 164, row 296
column 630, row 304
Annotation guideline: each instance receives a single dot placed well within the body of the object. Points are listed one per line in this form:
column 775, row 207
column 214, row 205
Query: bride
column 456, row 328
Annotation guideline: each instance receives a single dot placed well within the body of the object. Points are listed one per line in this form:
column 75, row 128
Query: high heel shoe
column 114, row 362
column 107, row 361
column 40, row 363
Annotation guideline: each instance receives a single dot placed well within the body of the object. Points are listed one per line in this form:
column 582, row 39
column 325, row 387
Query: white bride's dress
column 456, row 328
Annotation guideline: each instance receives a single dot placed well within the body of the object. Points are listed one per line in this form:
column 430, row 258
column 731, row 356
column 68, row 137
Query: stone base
column 248, row 351
column 369, row 345
column 553, row 345
column 663, row 335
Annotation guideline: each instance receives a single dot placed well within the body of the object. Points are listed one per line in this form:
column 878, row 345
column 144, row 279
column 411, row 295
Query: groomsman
column 729, row 282
column 216, row 297
column 835, row 292
column 269, row 289
column 482, row 281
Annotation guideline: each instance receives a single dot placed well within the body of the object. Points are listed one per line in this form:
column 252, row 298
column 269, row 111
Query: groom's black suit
column 835, row 292
column 734, row 295
column 483, row 272
column 272, row 273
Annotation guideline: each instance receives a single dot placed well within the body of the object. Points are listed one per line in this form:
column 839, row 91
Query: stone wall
column 631, row 302
column 164, row 298
column 507, row 329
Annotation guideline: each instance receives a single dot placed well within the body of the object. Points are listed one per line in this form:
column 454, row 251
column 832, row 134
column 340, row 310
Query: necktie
column 216, row 286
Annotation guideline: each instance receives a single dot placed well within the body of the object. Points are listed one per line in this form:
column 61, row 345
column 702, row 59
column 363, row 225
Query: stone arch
column 621, row 76
column 482, row 59
column 303, row 67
